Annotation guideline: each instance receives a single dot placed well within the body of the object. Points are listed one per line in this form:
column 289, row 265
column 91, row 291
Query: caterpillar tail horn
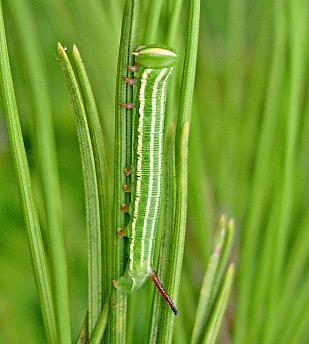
column 162, row 291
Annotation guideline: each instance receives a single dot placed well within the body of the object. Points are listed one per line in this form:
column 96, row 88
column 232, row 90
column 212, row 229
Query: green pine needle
column 25, row 188
column 91, row 195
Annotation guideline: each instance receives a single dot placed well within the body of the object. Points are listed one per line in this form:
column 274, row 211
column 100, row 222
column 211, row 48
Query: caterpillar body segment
column 153, row 67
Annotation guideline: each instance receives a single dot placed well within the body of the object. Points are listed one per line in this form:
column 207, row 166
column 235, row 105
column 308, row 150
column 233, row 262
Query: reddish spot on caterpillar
column 162, row 291
column 121, row 232
column 126, row 188
column 132, row 68
column 127, row 105
column 124, row 208
column 129, row 81
column 127, row 171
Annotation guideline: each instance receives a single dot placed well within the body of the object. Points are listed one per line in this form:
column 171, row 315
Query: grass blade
column 260, row 177
column 225, row 254
column 182, row 135
column 172, row 34
column 101, row 170
column 204, row 304
column 297, row 29
column 82, row 337
column 176, row 252
column 91, row 195
column 220, row 306
column 122, row 160
column 212, row 278
column 25, row 189
column 169, row 213
column 154, row 10
column 186, row 98
column 101, row 325
column 45, row 145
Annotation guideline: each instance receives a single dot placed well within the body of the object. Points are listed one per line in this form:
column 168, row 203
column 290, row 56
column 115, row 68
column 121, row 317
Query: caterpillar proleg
column 153, row 68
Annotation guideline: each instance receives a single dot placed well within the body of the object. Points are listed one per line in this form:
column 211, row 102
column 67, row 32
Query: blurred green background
column 248, row 156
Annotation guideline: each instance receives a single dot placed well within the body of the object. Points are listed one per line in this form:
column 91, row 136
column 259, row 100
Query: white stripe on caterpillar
column 139, row 161
column 153, row 124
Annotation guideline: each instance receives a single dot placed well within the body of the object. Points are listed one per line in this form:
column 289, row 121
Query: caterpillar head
column 155, row 56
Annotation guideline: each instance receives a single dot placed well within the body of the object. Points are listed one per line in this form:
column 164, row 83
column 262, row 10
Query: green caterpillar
column 153, row 67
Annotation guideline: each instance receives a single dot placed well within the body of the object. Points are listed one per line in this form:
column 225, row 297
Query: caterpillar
column 153, row 67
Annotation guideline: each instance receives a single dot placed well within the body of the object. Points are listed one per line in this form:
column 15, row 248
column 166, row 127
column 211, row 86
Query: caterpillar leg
column 162, row 291
column 127, row 171
column 132, row 280
column 127, row 208
column 127, row 105
column 123, row 232
column 129, row 81
column 124, row 208
column 132, row 68
column 126, row 188
column 124, row 283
